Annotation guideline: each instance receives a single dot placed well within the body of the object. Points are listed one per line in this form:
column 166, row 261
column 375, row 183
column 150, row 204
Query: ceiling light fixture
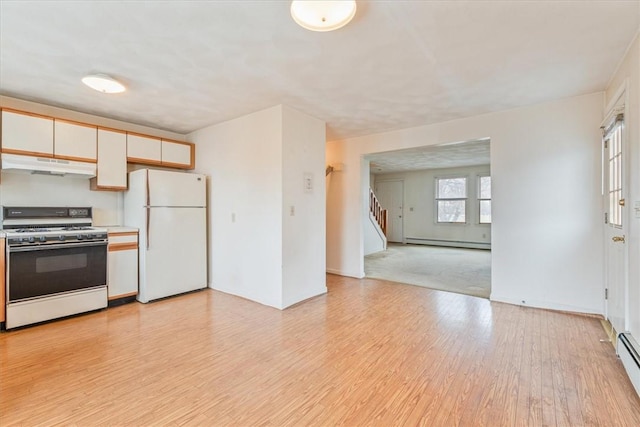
column 323, row 15
column 103, row 83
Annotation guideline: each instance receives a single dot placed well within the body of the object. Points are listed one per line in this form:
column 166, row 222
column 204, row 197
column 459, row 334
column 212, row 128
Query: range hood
column 46, row 166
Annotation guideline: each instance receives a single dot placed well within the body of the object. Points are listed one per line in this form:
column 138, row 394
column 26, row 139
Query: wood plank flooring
column 367, row 353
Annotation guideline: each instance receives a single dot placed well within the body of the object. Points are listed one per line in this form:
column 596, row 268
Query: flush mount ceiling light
column 103, row 83
column 323, row 15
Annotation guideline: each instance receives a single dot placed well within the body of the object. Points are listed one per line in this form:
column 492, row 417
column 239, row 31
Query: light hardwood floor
column 367, row 353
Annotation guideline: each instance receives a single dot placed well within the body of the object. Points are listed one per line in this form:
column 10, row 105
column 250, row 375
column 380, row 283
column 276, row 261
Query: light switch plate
column 308, row 182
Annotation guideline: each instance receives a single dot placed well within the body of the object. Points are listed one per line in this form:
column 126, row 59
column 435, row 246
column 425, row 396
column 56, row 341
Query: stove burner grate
column 30, row 230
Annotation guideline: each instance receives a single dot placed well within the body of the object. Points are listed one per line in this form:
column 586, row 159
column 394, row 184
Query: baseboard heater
column 450, row 243
column 628, row 353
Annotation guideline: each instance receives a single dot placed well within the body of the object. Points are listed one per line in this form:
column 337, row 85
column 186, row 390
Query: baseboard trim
column 344, row 273
column 448, row 243
column 547, row 306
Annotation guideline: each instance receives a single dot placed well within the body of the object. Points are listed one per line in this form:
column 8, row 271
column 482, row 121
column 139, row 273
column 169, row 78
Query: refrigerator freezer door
column 176, row 260
column 176, row 189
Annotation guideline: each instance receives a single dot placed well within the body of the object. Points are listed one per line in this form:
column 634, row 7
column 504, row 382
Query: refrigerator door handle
column 147, row 224
column 148, row 208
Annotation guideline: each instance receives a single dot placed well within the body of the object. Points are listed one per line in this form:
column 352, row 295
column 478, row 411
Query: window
column 451, row 200
column 614, row 155
column 484, row 199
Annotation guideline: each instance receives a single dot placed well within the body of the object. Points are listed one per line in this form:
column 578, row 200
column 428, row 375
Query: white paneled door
column 390, row 194
column 615, row 228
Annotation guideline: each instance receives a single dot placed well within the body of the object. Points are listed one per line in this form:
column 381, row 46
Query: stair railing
column 378, row 213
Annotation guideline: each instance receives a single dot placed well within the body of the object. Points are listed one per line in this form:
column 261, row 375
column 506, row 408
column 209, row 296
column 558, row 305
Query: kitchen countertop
column 118, row 228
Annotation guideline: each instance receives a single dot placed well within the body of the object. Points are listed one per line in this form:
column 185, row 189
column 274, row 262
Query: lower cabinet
column 122, row 261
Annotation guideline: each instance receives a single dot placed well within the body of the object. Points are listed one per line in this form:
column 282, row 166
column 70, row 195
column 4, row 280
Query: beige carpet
column 463, row 271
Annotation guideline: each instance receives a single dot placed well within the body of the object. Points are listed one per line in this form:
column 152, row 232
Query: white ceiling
column 398, row 64
column 450, row 155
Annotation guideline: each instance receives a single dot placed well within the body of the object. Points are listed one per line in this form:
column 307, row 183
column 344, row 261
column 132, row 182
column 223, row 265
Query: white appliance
column 169, row 209
column 47, row 166
column 56, row 263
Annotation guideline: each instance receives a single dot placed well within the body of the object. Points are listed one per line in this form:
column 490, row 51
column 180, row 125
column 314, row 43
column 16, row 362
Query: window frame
column 613, row 156
column 437, row 199
column 480, row 199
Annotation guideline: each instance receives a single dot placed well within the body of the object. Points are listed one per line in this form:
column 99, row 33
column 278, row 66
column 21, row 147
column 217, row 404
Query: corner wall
column 303, row 233
column 545, row 167
column 257, row 165
column 243, row 159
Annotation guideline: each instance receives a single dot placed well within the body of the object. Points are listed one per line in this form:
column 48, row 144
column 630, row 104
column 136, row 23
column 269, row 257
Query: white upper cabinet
column 24, row 133
column 177, row 154
column 112, row 161
column 37, row 135
column 144, row 149
column 75, row 141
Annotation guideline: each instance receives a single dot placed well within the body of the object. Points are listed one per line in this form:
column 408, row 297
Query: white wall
column 629, row 71
column 373, row 241
column 18, row 189
column 257, row 165
column 545, row 166
column 303, row 234
column 243, row 158
column 418, row 213
column 23, row 189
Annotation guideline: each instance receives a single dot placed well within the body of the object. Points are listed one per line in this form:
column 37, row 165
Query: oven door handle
column 13, row 249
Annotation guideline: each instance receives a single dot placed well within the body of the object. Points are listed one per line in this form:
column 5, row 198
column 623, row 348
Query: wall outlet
column 233, row 217
column 292, row 210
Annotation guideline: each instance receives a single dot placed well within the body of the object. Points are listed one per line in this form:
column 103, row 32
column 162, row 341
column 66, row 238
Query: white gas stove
column 56, row 263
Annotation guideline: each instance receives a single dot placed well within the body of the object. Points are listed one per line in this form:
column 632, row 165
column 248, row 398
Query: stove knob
column 80, row 237
column 61, row 237
column 32, row 239
column 42, row 238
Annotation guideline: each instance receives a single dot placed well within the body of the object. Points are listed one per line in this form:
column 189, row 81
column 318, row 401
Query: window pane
column 452, row 188
column 451, row 211
column 485, row 187
column 485, row 211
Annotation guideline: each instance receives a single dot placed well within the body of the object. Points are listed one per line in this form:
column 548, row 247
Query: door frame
column 402, row 238
column 621, row 96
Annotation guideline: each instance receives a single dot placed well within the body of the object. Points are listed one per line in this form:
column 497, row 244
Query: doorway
column 614, row 183
column 391, row 196
column 437, row 239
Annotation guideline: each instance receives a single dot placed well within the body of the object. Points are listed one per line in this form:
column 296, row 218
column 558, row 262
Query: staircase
column 375, row 239
column 379, row 214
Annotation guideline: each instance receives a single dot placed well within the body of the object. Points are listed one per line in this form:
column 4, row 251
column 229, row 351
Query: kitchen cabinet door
column 75, row 141
column 26, row 133
column 122, row 271
column 177, row 154
column 112, row 161
column 144, row 149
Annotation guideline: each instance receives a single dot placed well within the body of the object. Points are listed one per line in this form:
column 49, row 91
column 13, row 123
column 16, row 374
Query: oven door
column 45, row 270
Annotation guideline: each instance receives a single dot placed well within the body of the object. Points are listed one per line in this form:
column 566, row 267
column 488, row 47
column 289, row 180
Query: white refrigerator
column 169, row 209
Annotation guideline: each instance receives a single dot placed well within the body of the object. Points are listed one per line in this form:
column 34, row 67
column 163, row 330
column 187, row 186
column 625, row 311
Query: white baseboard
column 344, row 273
column 544, row 304
column 448, row 243
column 628, row 350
